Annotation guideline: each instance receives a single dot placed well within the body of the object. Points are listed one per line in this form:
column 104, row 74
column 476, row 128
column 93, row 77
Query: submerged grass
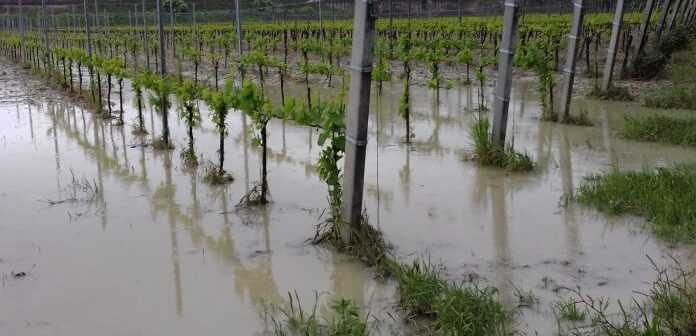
column 615, row 93
column 660, row 128
column 487, row 154
column 664, row 196
column 668, row 308
column 294, row 320
column 455, row 309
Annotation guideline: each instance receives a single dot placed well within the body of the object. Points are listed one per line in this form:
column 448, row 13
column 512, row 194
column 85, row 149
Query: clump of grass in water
column 660, row 128
column 189, row 158
column 665, row 196
column 669, row 308
column 160, row 144
column 582, row 118
column 455, row 309
column 673, row 97
column 487, row 154
column 366, row 242
column 215, row 175
column 616, row 93
column 568, row 310
column 294, row 320
column 252, row 198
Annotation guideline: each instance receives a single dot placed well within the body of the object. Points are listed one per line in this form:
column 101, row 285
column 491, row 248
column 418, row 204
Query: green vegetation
column 455, row 309
column 682, row 94
column 568, row 310
column 294, row 320
column 615, row 93
column 487, row 154
column 660, row 128
column 664, row 196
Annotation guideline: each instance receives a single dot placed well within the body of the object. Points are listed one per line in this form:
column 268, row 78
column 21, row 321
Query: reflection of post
column 566, row 165
column 571, row 57
column 171, row 215
column 358, row 114
column 613, row 45
column 504, row 85
column 501, row 239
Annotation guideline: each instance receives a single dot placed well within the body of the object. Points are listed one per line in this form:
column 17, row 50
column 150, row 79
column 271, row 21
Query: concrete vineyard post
column 644, row 25
column 501, row 100
column 162, row 72
column 613, row 45
column 571, row 57
column 663, row 18
column 673, row 17
column 146, row 44
column 171, row 24
column 89, row 34
column 357, row 115
column 239, row 35
column 321, row 22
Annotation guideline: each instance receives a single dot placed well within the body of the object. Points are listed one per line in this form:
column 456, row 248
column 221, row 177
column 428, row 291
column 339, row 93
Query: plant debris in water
column 215, row 175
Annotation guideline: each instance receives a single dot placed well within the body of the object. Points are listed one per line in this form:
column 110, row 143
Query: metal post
column 171, row 24
column 571, row 57
column 321, row 23
column 162, row 72
column 43, row 23
column 663, row 18
column 504, row 85
column 146, row 34
column 238, row 15
column 643, row 33
column 357, row 115
column 74, row 19
column 89, row 34
column 672, row 18
column 96, row 17
column 21, row 22
column 135, row 15
column 613, row 45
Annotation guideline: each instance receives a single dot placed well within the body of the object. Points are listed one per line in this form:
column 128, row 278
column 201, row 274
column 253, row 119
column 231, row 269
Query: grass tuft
column 615, row 93
column 582, row 118
column 664, row 196
column 660, row 128
column 568, row 310
column 189, row 158
column 215, row 175
column 673, row 97
column 487, row 154
column 160, row 144
column 366, row 242
column 455, row 309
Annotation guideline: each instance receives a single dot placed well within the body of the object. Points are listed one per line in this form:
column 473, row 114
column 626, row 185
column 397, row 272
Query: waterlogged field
column 103, row 235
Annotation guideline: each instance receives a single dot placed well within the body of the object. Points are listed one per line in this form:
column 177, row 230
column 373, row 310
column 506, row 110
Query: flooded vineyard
column 403, row 173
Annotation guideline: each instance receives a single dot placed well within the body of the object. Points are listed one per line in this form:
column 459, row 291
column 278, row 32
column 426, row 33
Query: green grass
column 664, row 196
column 615, row 93
column 660, row 128
column 568, row 310
column 679, row 96
column 682, row 73
column 454, row 308
column 487, row 154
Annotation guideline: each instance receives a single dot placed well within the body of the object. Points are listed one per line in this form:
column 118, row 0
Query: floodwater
column 157, row 251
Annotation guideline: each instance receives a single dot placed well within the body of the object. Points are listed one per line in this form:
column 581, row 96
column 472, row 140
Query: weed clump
column 215, row 175
column 455, row 309
column 582, row 118
column 294, row 320
column 660, row 128
column 161, row 144
column 673, row 97
column 487, row 154
column 664, row 196
column 615, row 93
column 253, row 198
column 366, row 242
column 568, row 310
column 189, row 158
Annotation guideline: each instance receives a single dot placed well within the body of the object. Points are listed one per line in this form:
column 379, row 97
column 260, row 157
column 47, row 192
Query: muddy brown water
column 158, row 251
